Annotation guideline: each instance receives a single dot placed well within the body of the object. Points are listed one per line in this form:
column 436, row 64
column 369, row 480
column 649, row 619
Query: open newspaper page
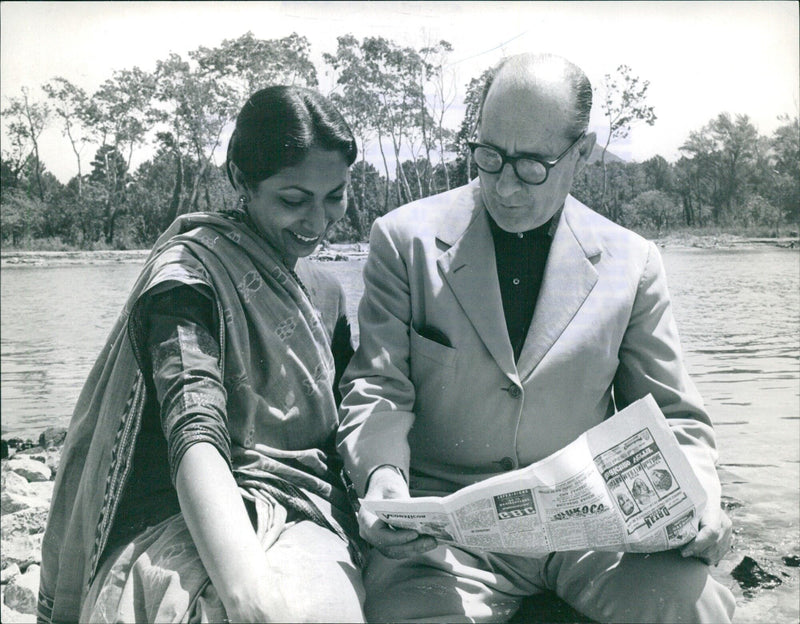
column 624, row 485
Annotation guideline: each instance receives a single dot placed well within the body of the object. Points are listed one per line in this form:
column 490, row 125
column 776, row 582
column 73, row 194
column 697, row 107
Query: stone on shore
column 14, row 492
column 9, row 616
column 9, row 572
column 19, row 494
column 25, row 480
column 28, row 521
column 23, row 550
column 52, row 437
column 21, row 592
column 50, row 457
column 29, row 468
column 750, row 576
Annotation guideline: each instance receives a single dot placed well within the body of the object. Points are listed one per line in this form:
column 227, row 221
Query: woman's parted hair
column 278, row 126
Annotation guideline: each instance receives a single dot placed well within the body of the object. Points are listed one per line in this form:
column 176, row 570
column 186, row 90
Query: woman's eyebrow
column 295, row 187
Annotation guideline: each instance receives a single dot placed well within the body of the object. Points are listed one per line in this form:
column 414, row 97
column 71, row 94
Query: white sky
column 701, row 58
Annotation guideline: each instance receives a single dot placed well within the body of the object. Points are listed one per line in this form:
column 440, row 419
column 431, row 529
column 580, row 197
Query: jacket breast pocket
column 430, row 351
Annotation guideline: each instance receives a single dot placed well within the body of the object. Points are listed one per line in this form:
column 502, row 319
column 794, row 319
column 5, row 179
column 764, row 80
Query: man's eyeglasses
column 528, row 169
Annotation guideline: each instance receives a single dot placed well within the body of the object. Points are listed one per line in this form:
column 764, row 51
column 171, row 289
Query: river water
column 738, row 312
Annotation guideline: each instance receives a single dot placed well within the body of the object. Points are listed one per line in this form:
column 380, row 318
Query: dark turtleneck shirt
column 521, row 258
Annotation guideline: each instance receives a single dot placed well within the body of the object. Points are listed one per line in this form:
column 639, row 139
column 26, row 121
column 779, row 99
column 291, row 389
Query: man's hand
column 386, row 482
column 713, row 540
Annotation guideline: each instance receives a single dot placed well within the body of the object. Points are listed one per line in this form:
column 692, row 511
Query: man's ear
column 585, row 151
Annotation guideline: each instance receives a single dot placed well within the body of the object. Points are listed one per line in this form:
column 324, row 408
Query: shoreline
column 19, row 258
column 337, row 252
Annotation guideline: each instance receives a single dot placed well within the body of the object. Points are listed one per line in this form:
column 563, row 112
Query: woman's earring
column 241, row 206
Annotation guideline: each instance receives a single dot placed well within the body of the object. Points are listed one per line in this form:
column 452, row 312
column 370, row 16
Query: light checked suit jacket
column 433, row 387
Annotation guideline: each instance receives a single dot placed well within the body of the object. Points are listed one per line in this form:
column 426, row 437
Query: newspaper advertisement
column 623, row 485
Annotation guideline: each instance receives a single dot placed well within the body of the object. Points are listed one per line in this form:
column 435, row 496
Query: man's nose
column 508, row 183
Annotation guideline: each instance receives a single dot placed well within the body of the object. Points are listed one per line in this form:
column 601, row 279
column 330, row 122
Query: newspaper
column 623, row 485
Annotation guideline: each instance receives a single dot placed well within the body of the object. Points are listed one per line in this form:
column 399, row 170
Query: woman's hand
column 386, row 482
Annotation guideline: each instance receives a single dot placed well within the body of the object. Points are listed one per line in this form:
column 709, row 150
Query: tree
column 379, row 81
column 358, row 219
column 691, row 185
column 653, row 209
column 358, row 102
column 785, row 161
column 469, row 125
column 196, row 109
column 624, row 104
column 247, row 64
column 658, row 174
column 444, row 94
column 119, row 117
column 72, row 107
column 27, row 120
column 21, row 215
column 431, row 76
column 394, row 71
column 725, row 153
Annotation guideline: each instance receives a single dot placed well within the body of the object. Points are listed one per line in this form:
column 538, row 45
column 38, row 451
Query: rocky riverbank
column 723, row 241
column 26, row 475
column 753, row 570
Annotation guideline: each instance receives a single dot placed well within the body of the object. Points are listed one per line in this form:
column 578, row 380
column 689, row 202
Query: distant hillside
column 597, row 152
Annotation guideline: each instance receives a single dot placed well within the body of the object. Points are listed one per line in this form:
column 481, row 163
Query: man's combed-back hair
column 579, row 84
column 278, row 126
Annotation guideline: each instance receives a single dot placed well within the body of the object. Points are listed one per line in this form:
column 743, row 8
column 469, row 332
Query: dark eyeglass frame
column 513, row 160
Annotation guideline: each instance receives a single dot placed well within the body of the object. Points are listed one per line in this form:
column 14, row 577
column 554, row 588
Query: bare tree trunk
column 363, row 199
column 401, row 175
column 386, row 169
column 174, row 208
column 603, row 207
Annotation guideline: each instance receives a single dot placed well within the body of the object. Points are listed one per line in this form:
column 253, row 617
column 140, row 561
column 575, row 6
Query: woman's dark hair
column 278, row 126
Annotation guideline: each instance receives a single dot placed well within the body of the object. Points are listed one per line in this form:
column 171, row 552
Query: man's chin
column 512, row 219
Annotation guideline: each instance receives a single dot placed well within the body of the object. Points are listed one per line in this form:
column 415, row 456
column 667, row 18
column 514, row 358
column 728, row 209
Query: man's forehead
column 529, row 118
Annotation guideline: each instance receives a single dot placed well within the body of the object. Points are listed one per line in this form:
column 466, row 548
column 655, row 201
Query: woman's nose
column 508, row 183
column 316, row 217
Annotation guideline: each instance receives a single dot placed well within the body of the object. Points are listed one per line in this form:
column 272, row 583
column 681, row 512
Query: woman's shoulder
column 319, row 277
column 324, row 289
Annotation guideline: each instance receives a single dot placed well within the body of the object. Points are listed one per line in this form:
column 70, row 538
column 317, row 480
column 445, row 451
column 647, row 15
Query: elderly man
column 500, row 321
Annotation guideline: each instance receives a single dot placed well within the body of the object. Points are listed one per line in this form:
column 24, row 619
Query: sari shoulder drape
column 277, row 369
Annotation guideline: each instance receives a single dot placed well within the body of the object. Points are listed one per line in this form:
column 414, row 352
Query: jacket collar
column 569, row 277
column 469, row 268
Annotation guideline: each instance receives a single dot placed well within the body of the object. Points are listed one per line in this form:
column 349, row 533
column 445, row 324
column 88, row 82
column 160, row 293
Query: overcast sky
column 701, row 58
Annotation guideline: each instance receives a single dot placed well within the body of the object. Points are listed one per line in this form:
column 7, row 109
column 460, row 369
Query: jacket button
column 515, row 392
column 507, row 463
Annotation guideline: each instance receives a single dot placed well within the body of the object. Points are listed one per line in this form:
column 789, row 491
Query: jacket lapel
column 569, row 277
column 469, row 268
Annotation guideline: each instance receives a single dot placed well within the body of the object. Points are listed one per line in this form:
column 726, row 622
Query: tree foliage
column 624, row 104
column 397, row 99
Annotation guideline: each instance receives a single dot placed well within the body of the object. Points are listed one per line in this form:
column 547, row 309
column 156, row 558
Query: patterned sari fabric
column 281, row 414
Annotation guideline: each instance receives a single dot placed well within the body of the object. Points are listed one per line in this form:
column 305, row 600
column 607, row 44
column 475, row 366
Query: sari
column 278, row 373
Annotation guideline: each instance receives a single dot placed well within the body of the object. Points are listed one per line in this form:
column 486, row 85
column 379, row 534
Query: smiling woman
column 294, row 209
column 209, row 488
column 288, row 159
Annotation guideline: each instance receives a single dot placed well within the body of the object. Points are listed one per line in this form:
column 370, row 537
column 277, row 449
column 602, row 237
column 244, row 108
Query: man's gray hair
column 579, row 84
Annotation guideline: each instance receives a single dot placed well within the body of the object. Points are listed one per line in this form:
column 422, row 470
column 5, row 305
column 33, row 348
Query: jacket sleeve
column 650, row 361
column 377, row 394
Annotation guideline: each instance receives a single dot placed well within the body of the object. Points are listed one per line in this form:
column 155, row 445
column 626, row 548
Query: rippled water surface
column 738, row 312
